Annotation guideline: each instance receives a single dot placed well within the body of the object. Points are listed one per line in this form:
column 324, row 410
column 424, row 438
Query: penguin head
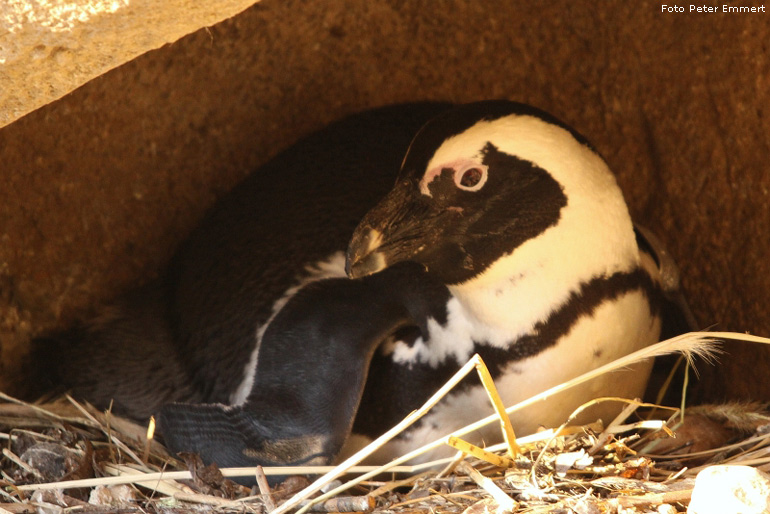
column 489, row 188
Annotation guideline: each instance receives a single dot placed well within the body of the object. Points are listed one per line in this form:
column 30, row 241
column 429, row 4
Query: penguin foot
column 233, row 437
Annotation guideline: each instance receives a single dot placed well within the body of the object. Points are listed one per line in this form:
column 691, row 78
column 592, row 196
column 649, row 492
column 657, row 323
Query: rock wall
column 98, row 187
column 50, row 47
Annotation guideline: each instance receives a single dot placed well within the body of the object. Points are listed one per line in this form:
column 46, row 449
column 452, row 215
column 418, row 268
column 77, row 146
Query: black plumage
column 187, row 336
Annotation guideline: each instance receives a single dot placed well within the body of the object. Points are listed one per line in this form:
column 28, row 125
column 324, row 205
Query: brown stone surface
column 50, row 47
column 98, row 187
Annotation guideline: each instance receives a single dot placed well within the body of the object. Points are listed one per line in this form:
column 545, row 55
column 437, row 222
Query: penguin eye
column 471, row 178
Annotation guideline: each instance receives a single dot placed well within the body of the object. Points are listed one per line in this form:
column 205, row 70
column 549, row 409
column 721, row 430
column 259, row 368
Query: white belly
column 615, row 329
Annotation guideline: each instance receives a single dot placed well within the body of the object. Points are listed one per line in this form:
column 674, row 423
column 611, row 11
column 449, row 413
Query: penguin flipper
column 312, row 367
column 233, row 436
column 676, row 314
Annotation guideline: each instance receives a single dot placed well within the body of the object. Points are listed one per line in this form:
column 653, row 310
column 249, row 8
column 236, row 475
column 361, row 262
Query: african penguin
column 505, row 234
column 523, row 221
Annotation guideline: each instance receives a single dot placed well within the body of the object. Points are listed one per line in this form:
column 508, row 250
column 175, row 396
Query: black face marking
column 457, row 220
column 518, row 202
column 458, row 234
column 415, row 382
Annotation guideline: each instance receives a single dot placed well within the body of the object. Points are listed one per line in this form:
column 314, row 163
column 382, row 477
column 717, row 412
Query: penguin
column 336, row 288
column 523, row 220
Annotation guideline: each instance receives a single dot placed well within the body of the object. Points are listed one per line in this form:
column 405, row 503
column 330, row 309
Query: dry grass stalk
column 146, row 478
column 469, row 449
column 497, row 403
column 342, row 504
column 148, row 439
column 702, row 344
column 106, row 430
column 206, row 499
column 394, row 484
column 655, row 499
column 264, row 489
column 376, row 444
column 41, row 411
column 503, row 500
column 605, row 436
column 753, row 450
column 162, row 484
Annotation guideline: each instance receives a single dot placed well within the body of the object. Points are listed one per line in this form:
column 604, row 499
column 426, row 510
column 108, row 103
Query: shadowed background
column 97, row 188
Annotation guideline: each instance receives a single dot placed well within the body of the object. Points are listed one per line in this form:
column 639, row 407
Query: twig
column 206, row 499
column 749, row 462
column 683, row 496
column 479, row 453
column 667, row 382
column 264, row 489
column 227, row 472
column 43, row 412
column 342, row 504
column 448, row 496
column 106, row 432
column 163, row 484
column 605, row 435
column 575, row 414
column 148, row 440
column 497, row 403
column 702, row 344
column 449, row 469
column 675, row 476
column 486, row 483
column 394, row 484
column 7, row 496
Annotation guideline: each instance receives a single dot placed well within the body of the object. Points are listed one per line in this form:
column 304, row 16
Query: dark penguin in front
column 266, row 342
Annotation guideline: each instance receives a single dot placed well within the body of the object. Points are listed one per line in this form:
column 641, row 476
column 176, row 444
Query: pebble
column 734, row 489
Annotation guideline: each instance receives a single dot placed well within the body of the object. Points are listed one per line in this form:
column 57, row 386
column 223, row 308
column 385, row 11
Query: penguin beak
column 393, row 231
column 364, row 255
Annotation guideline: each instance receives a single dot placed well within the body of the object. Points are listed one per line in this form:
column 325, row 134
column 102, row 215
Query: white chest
column 615, row 327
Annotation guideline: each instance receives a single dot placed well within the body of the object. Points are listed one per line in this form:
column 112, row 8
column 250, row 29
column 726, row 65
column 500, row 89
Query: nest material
column 67, row 456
